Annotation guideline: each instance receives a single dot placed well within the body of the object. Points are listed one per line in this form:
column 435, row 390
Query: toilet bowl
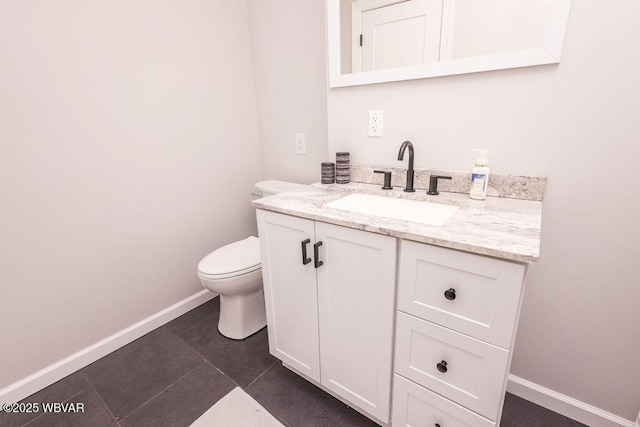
column 234, row 271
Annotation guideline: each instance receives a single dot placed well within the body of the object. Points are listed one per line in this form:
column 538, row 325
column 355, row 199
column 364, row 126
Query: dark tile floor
column 172, row 375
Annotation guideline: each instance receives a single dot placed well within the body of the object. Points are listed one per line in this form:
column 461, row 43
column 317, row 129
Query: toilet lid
column 238, row 257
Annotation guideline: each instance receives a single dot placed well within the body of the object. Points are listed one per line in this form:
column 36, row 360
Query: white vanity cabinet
column 457, row 314
column 330, row 312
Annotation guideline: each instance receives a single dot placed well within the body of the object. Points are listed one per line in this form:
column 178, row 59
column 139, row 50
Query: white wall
column 576, row 123
column 288, row 48
column 128, row 149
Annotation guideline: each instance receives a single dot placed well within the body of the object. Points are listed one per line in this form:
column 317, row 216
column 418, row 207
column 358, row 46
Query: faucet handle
column 387, row 179
column 433, row 184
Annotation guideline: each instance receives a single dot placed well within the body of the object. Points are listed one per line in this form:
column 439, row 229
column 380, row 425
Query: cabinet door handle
column 316, row 262
column 437, row 425
column 304, row 244
column 442, row 366
column 450, row 294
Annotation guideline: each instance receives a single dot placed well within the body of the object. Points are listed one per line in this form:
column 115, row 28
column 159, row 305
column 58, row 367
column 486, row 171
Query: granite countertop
column 498, row 227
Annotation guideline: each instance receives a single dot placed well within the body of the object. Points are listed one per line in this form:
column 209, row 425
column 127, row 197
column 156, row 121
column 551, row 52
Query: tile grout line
column 162, row 391
column 193, row 349
column 178, row 336
column 196, row 324
column 224, row 374
column 206, row 359
column 260, row 376
column 66, row 400
column 190, row 327
column 271, row 411
column 216, row 368
column 99, row 397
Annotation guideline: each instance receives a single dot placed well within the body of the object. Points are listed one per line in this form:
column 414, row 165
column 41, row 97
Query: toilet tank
column 270, row 187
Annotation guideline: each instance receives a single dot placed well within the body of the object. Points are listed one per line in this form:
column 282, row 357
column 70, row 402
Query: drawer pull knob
column 442, row 366
column 450, row 294
column 437, row 425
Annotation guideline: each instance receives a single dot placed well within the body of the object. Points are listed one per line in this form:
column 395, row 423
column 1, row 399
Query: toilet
column 234, row 271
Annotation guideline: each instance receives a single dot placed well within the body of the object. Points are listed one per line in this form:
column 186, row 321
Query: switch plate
column 375, row 123
column 301, row 143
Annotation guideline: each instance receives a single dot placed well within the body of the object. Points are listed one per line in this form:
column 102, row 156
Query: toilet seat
column 228, row 275
column 234, row 259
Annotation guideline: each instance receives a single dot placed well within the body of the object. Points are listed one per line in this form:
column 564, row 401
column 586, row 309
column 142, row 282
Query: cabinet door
column 290, row 291
column 356, row 288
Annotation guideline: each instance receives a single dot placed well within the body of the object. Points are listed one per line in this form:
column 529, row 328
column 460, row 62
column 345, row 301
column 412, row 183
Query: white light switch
column 301, row 143
column 375, row 123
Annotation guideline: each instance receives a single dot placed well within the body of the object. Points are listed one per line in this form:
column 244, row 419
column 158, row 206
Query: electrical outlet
column 301, row 143
column 375, row 123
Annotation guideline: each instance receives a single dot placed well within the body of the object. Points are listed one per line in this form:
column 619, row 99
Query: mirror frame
column 549, row 53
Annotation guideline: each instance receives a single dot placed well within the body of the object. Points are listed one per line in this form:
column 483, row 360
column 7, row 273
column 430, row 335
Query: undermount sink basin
column 397, row 208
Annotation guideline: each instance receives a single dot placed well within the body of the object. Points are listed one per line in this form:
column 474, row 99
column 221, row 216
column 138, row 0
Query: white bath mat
column 236, row 409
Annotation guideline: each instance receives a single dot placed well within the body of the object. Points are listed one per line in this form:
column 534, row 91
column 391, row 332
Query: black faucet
column 409, row 188
column 433, row 184
column 387, row 180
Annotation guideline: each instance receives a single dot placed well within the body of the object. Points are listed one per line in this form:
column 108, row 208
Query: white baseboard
column 55, row 372
column 564, row 405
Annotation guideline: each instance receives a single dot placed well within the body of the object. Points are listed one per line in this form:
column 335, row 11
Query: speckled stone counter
column 498, row 227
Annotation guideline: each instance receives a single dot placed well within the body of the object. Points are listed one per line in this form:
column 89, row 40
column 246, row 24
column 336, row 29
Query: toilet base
column 242, row 315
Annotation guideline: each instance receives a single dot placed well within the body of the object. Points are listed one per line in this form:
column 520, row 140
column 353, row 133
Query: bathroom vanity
column 408, row 322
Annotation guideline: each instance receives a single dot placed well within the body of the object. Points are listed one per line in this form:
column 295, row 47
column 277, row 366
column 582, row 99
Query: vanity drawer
column 461, row 368
column 473, row 294
column 416, row 406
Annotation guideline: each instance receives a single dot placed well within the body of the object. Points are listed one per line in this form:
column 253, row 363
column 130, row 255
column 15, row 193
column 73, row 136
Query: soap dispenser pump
column 480, row 176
